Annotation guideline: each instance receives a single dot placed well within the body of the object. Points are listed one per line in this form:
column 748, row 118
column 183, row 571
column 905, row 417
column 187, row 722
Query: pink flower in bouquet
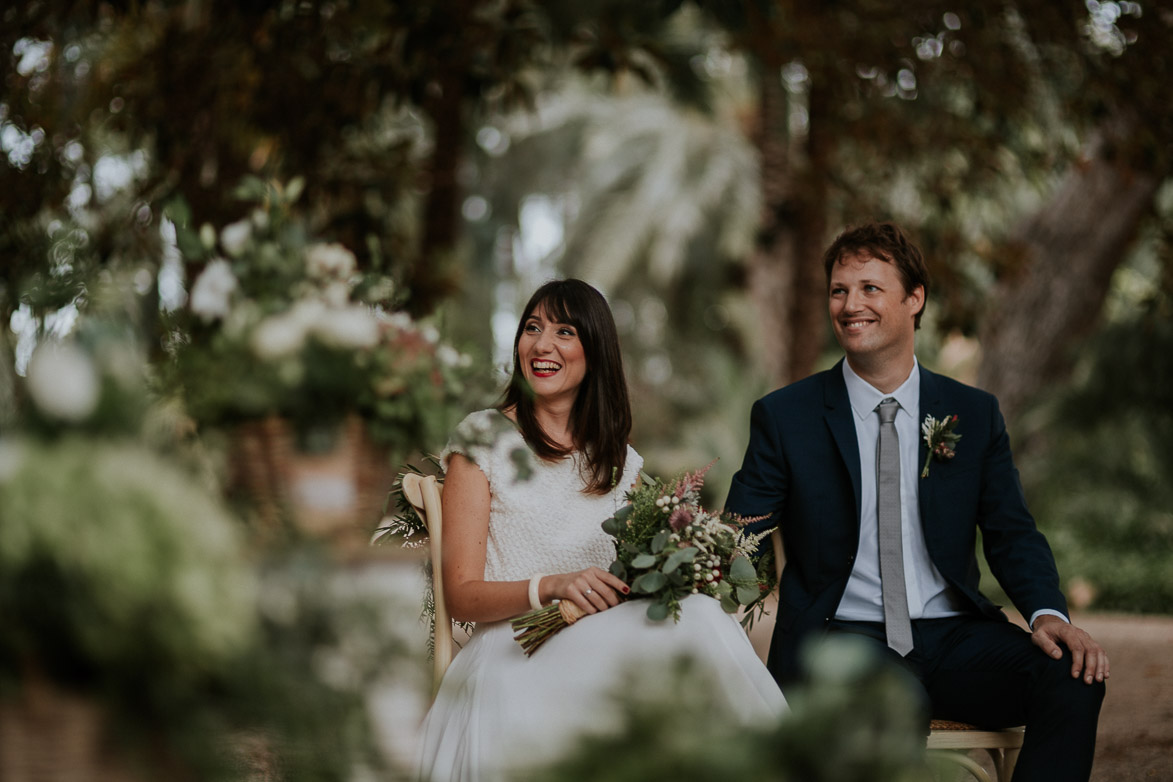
column 693, row 481
column 680, row 518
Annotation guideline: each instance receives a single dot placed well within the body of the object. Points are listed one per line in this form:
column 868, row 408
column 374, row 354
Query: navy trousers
column 990, row 674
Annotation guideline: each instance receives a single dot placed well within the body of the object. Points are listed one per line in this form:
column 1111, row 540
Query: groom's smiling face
column 871, row 313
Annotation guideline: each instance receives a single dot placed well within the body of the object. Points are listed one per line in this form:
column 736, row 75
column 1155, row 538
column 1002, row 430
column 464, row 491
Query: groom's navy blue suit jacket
column 801, row 469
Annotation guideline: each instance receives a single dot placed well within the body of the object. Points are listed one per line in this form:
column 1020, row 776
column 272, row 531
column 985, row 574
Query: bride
column 523, row 532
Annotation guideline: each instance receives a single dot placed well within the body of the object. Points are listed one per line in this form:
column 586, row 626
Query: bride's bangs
column 558, row 308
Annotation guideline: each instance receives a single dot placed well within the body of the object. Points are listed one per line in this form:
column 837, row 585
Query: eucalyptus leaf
column 619, row 570
column 741, row 569
column 728, row 604
column 649, row 582
column 679, row 558
column 657, row 611
column 611, row 526
column 643, row 561
column 660, row 541
column 747, row 594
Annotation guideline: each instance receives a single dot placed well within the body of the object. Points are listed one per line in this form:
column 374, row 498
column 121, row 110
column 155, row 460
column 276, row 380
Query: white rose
column 307, row 313
column 351, row 327
column 278, row 336
column 234, row 238
column 401, row 321
column 212, row 290
column 63, row 381
column 336, row 294
column 451, row 357
column 329, row 260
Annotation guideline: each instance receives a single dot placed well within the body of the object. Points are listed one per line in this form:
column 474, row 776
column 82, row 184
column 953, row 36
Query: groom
column 878, row 549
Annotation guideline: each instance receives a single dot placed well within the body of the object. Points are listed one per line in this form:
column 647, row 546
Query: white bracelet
column 535, row 602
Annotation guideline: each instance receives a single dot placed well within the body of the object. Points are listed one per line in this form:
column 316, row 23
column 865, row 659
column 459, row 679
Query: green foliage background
column 682, row 154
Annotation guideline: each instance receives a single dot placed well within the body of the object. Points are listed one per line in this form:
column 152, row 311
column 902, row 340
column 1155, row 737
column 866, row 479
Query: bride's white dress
column 497, row 710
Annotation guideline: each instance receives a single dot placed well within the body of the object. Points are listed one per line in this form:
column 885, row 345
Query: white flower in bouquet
column 348, row 327
column 278, row 336
column 451, row 357
column 400, row 320
column 207, row 236
column 336, row 293
column 63, row 381
column 235, row 236
column 211, row 295
column 329, row 261
column 382, row 289
column 307, row 312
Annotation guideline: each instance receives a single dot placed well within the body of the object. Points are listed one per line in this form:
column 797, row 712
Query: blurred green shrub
column 1103, row 494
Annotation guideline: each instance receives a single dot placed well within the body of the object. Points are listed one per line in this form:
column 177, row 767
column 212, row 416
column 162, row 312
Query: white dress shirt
column 929, row 595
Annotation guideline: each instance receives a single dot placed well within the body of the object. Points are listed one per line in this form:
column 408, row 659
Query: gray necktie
column 896, row 621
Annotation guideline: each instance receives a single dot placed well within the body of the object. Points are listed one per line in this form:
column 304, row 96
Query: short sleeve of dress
column 472, row 438
column 631, row 469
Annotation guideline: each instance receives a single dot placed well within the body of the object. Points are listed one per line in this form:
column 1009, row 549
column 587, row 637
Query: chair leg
column 962, row 759
column 1007, row 763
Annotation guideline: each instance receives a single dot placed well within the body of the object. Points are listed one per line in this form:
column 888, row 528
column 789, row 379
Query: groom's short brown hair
column 886, row 242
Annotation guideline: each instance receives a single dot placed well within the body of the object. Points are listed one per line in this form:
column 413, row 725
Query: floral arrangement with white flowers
column 280, row 323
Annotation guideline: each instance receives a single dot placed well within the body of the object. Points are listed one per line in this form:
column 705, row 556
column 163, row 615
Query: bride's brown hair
column 601, row 417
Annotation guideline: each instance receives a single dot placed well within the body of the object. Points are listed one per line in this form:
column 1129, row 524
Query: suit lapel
column 838, row 417
column 930, row 404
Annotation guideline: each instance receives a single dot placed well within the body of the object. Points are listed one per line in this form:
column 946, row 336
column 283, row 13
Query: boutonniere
column 940, row 438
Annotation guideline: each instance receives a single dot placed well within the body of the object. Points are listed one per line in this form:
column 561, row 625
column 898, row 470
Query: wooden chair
column 423, row 492
column 952, row 741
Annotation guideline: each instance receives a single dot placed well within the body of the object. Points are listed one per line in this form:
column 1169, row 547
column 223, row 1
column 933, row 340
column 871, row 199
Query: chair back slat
column 424, row 494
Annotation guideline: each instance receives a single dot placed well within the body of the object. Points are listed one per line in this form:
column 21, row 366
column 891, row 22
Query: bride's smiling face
column 552, row 357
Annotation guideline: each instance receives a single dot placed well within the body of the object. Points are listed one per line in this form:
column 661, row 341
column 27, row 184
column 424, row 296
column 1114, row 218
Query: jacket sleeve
column 1017, row 553
column 759, row 488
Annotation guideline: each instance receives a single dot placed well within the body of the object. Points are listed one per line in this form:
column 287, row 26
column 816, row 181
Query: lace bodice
column 539, row 519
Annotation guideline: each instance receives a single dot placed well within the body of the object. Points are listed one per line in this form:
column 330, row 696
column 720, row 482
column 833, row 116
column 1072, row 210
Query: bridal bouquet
column 667, row 547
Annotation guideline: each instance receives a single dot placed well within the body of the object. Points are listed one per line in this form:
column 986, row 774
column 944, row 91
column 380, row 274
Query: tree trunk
column 8, row 400
column 808, row 318
column 1069, row 250
column 771, row 268
column 786, row 280
column 428, row 280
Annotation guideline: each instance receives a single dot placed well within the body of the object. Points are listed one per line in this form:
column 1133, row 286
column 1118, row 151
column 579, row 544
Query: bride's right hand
column 592, row 590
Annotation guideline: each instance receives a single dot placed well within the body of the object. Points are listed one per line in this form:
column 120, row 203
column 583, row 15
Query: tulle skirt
column 498, row 712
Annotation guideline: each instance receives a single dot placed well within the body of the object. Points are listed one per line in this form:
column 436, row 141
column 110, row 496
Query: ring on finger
column 588, row 591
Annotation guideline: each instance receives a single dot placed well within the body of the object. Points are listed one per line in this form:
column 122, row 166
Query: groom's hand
column 1088, row 658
